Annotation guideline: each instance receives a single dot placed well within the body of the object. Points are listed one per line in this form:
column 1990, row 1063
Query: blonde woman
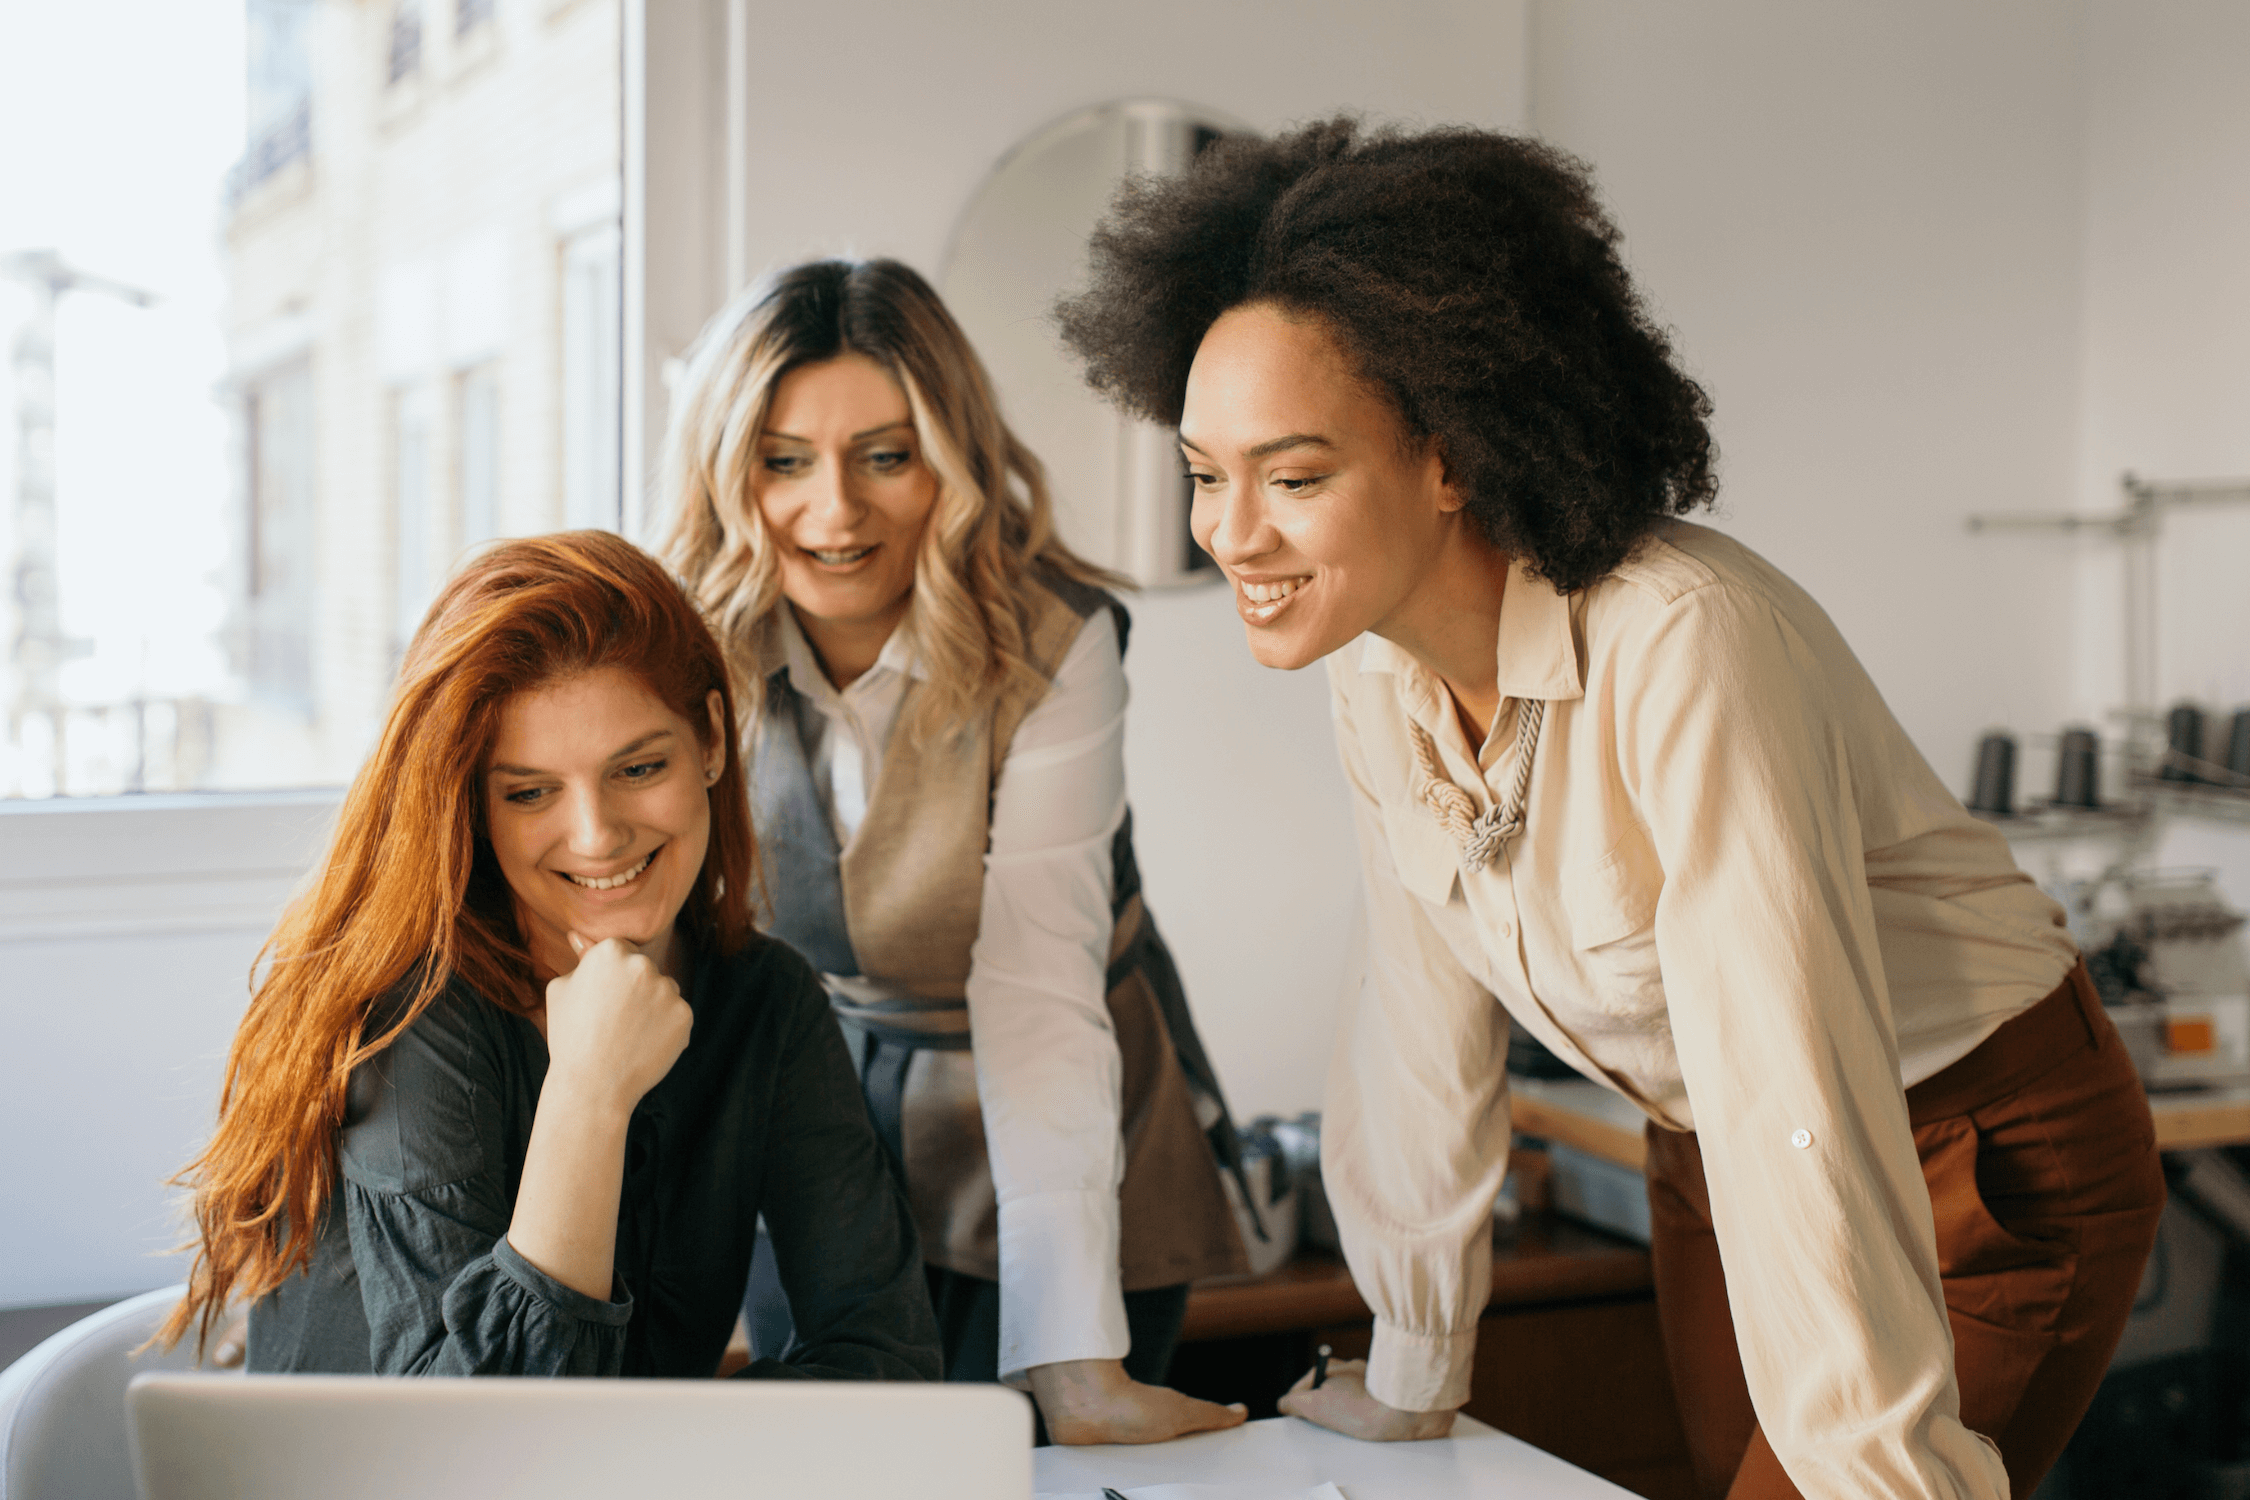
column 935, row 725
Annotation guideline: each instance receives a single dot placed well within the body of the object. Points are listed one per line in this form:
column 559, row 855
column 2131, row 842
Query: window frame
column 87, row 869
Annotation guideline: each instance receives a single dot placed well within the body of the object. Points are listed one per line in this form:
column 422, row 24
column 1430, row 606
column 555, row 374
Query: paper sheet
column 1205, row 1492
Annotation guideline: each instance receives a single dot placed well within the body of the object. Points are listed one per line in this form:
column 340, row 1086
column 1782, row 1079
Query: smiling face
column 1322, row 515
column 597, row 803
column 845, row 493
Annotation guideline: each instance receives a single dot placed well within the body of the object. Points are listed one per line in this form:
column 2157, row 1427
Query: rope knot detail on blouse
column 1480, row 836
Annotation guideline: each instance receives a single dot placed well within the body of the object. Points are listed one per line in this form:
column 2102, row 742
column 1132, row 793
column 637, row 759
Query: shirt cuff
column 1061, row 1294
column 1420, row 1371
column 568, row 1301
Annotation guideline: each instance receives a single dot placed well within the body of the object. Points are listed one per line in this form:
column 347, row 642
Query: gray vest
column 891, row 918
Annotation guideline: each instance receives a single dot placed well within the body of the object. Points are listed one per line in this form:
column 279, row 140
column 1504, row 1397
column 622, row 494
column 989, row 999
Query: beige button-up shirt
column 1741, row 899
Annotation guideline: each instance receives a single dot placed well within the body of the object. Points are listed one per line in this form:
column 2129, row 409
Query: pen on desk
column 1320, row 1367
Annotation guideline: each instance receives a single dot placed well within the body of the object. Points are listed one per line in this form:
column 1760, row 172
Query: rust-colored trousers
column 2041, row 1161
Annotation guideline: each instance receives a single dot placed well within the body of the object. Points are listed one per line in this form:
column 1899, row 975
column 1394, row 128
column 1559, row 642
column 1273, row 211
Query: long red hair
column 410, row 893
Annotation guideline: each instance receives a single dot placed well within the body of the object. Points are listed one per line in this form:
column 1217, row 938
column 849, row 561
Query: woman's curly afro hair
column 1469, row 276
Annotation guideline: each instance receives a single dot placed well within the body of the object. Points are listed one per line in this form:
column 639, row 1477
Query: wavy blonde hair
column 993, row 521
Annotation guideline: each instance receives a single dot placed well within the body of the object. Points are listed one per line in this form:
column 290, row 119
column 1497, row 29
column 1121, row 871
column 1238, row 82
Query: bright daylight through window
column 334, row 300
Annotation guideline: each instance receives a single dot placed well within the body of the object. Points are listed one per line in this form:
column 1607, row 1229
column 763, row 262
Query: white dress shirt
column 1741, row 899
column 1048, row 1072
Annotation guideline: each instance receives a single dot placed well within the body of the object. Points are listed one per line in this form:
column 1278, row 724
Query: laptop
column 343, row 1437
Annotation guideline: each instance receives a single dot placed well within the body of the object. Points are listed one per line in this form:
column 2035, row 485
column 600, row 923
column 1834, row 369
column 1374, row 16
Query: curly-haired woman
column 936, row 728
column 1616, row 772
column 521, row 1074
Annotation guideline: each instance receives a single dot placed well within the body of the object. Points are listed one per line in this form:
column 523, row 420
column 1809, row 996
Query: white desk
column 1475, row 1463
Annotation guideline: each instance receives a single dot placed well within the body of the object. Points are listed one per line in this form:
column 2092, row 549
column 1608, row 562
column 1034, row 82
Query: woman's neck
column 847, row 649
column 1450, row 623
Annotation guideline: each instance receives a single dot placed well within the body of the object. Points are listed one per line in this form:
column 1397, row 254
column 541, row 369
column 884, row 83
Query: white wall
column 1862, row 221
column 2166, row 354
column 875, row 146
column 127, row 931
column 111, row 1067
column 870, row 123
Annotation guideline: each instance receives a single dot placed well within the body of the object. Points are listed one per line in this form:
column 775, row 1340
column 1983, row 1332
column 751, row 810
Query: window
column 279, row 37
column 592, row 365
column 412, row 576
column 235, row 467
column 406, row 40
column 216, row 480
column 279, row 566
column 476, row 461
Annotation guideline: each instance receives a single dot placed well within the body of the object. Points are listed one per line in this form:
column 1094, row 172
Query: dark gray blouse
column 761, row 1115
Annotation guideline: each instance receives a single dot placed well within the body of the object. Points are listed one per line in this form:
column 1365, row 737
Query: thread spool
column 2238, row 743
column 2183, row 736
column 2078, row 773
column 1996, row 775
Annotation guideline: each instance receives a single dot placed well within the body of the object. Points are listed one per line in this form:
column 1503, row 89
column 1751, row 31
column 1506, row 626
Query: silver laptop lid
column 337, row 1437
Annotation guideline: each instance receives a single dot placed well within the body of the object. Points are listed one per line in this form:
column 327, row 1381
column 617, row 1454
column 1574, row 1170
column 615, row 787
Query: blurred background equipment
column 1995, row 791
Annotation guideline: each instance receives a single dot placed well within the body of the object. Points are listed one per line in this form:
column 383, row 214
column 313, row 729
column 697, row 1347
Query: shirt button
column 1507, row 929
column 1801, row 1139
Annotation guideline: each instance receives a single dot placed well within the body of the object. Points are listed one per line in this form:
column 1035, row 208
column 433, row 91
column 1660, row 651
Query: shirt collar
column 785, row 648
column 1538, row 647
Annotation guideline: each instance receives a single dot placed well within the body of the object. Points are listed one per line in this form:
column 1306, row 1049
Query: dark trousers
column 968, row 1314
column 2041, row 1161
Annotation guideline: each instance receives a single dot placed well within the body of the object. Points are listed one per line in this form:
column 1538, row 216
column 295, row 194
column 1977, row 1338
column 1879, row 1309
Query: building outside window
column 592, row 371
column 279, row 576
column 476, row 452
column 278, row 95
column 405, row 59
column 303, row 346
column 413, row 418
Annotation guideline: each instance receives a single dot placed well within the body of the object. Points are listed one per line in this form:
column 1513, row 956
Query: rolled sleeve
column 445, row 1295
column 1778, row 1008
column 1415, row 1134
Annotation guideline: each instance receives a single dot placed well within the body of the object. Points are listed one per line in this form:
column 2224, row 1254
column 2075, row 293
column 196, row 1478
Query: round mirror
column 1120, row 497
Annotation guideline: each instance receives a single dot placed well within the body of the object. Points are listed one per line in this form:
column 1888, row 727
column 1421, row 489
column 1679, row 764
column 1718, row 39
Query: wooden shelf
column 1603, row 1124
column 1542, row 1261
column 2193, row 1119
column 1580, row 1113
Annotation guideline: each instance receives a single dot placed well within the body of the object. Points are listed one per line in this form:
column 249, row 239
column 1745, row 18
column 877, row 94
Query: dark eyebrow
column 856, row 437
column 638, row 745
column 1272, row 445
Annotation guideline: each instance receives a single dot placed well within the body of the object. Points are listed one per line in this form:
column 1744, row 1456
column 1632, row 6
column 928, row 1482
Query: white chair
column 62, row 1406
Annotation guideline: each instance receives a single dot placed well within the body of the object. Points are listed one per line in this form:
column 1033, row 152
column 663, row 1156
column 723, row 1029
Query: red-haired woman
column 521, row 1077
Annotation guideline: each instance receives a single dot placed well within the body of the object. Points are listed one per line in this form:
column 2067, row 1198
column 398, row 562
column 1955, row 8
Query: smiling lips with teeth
column 1262, row 601
column 609, row 882
column 839, row 559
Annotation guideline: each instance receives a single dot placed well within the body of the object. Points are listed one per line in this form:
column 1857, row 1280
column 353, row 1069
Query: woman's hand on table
column 1342, row 1404
column 1095, row 1401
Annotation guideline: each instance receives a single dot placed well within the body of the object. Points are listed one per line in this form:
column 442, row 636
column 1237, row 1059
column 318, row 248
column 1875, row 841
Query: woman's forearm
column 565, row 1220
